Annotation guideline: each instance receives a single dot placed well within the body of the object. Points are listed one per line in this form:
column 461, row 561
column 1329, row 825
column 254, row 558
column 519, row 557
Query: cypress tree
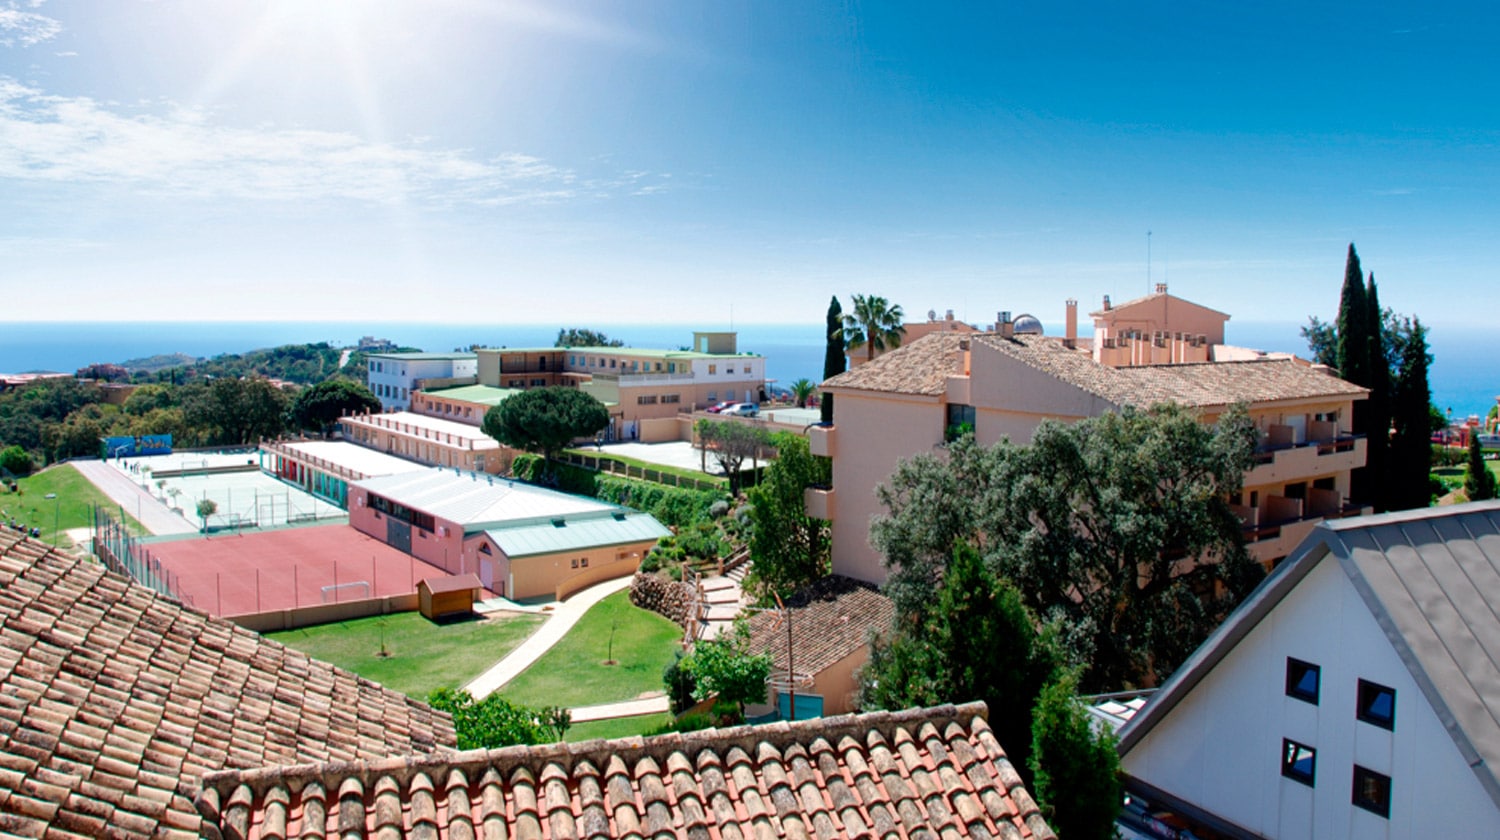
column 833, row 359
column 1410, row 453
column 1379, row 478
column 1479, row 482
column 1353, row 325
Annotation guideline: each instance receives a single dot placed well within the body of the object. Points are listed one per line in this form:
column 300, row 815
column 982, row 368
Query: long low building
column 522, row 541
column 324, row 468
column 430, row 440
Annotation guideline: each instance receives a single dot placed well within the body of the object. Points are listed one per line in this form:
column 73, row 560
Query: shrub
column 673, row 506
column 1077, row 767
column 719, row 508
column 680, row 684
column 15, row 460
column 496, row 722
column 534, row 469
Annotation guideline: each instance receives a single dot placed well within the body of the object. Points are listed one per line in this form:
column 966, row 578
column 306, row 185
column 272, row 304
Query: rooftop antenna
column 1148, row 262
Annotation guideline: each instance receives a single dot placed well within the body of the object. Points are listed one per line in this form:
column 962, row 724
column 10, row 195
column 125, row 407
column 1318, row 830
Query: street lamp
column 56, row 504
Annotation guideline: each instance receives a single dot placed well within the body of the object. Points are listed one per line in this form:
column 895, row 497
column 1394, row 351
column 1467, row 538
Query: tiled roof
column 1200, row 384
column 1151, row 298
column 921, row 367
column 830, row 619
column 114, row 700
column 919, row 773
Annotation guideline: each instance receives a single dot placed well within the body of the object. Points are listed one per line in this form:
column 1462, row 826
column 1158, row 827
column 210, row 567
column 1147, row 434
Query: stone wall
column 671, row 598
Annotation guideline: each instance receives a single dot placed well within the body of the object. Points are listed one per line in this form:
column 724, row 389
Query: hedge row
column 676, row 507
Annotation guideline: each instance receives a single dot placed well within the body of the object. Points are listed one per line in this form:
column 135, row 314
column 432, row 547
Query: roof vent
column 619, row 516
column 559, row 522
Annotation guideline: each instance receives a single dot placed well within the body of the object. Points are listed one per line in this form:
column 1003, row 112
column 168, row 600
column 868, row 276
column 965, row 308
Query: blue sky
column 668, row 161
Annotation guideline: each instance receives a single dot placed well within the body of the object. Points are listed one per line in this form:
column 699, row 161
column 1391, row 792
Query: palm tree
column 875, row 324
column 802, row 391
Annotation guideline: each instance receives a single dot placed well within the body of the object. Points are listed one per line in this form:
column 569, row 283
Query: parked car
column 742, row 410
column 1489, row 441
column 718, row 407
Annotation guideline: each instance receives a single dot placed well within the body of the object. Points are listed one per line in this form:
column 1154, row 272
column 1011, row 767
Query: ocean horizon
column 1463, row 376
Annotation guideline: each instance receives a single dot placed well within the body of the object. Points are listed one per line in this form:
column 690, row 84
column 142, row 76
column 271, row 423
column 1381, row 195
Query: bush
column 1077, row 768
column 15, row 460
column 719, row 508
column 673, row 506
column 680, row 685
column 534, row 469
column 496, row 722
column 687, row 723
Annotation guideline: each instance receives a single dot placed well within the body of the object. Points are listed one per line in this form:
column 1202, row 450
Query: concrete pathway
column 563, row 617
column 625, row 708
column 135, row 499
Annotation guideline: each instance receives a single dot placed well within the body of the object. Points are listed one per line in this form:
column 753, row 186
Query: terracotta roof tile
column 113, row 700
column 918, row 773
column 922, row 368
column 830, row 619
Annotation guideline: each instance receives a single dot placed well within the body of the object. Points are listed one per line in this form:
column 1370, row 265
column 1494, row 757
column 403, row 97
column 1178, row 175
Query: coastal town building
column 429, row 440
column 393, row 377
column 131, row 716
column 520, row 540
column 1353, row 694
column 324, row 468
column 1003, row 384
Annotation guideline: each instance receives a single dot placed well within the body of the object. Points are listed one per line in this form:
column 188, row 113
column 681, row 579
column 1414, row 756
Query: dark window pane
column 1298, row 761
column 1372, row 791
column 1302, row 680
column 1377, row 705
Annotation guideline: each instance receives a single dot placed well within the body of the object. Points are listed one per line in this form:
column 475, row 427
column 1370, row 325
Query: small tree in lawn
column 207, row 508
column 724, row 668
column 1479, row 482
column 545, row 420
column 1075, row 765
column 731, row 443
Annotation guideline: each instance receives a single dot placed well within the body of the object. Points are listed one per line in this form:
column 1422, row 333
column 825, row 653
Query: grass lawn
column 573, row 672
column 616, row 727
column 423, row 656
column 72, row 508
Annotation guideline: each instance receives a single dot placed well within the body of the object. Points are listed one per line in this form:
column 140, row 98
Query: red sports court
column 254, row 572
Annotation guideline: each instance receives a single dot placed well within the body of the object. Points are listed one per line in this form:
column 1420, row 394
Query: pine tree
column 1479, row 482
column 1410, row 454
column 1379, row 480
column 833, row 358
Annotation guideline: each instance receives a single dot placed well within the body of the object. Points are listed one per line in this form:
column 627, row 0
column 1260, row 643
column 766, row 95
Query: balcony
column 823, row 440
column 1273, row 529
column 820, row 502
column 1279, row 461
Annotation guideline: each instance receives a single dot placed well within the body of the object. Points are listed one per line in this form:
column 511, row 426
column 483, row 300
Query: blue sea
column 1464, row 376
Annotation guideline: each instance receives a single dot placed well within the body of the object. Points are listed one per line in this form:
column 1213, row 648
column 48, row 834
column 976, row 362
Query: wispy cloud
column 184, row 152
column 18, row 26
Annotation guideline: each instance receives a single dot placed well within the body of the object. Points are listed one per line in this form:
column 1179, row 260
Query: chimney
column 1106, row 303
column 1070, row 337
column 949, row 315
column 1004, row 326
column 1161, row 288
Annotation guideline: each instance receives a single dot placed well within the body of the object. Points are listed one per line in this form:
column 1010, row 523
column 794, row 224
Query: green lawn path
column 423, row 656
column 616, row 727
column 73, row 507
column 573, row 672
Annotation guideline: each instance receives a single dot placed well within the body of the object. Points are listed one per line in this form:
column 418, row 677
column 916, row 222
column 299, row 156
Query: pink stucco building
column 1005, row 385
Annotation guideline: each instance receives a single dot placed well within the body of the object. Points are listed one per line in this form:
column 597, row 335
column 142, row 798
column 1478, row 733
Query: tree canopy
column 724, row 668
column 875, row 324
column 1409, row 456
column 731, row 442
column 320, row 406
column 580, row 337
column 1099, row 522
column 545, row 420
column 788, row 548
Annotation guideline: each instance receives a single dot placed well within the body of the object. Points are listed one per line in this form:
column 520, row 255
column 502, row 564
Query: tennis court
column 258, row 571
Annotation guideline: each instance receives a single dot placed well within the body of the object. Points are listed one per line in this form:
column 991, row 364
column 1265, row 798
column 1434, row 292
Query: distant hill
column 161, row 361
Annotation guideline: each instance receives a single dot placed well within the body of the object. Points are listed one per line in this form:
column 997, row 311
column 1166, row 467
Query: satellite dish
column 932, row 314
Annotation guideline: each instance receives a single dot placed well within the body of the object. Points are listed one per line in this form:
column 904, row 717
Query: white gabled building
column 393, row 376
column 1355, row 693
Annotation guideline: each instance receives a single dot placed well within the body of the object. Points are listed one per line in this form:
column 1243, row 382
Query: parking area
column 678, row 453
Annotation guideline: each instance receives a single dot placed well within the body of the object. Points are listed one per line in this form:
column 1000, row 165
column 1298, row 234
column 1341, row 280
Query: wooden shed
column 448, row 596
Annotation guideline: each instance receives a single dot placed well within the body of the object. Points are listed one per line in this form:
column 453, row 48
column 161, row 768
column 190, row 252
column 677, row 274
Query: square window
column 1302, row 680
column 1372, row 791
column 1299, row 762
column 575, row 562
column 584, row 562
column 1377, row 705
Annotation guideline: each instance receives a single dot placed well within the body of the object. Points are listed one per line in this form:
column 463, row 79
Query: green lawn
column 423, row 656
column 616, row 727
column 72, row 508
column 574, row 673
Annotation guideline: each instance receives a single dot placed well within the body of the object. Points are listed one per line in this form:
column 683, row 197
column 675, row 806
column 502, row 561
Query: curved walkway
column 625, row 708
column 562, row 619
